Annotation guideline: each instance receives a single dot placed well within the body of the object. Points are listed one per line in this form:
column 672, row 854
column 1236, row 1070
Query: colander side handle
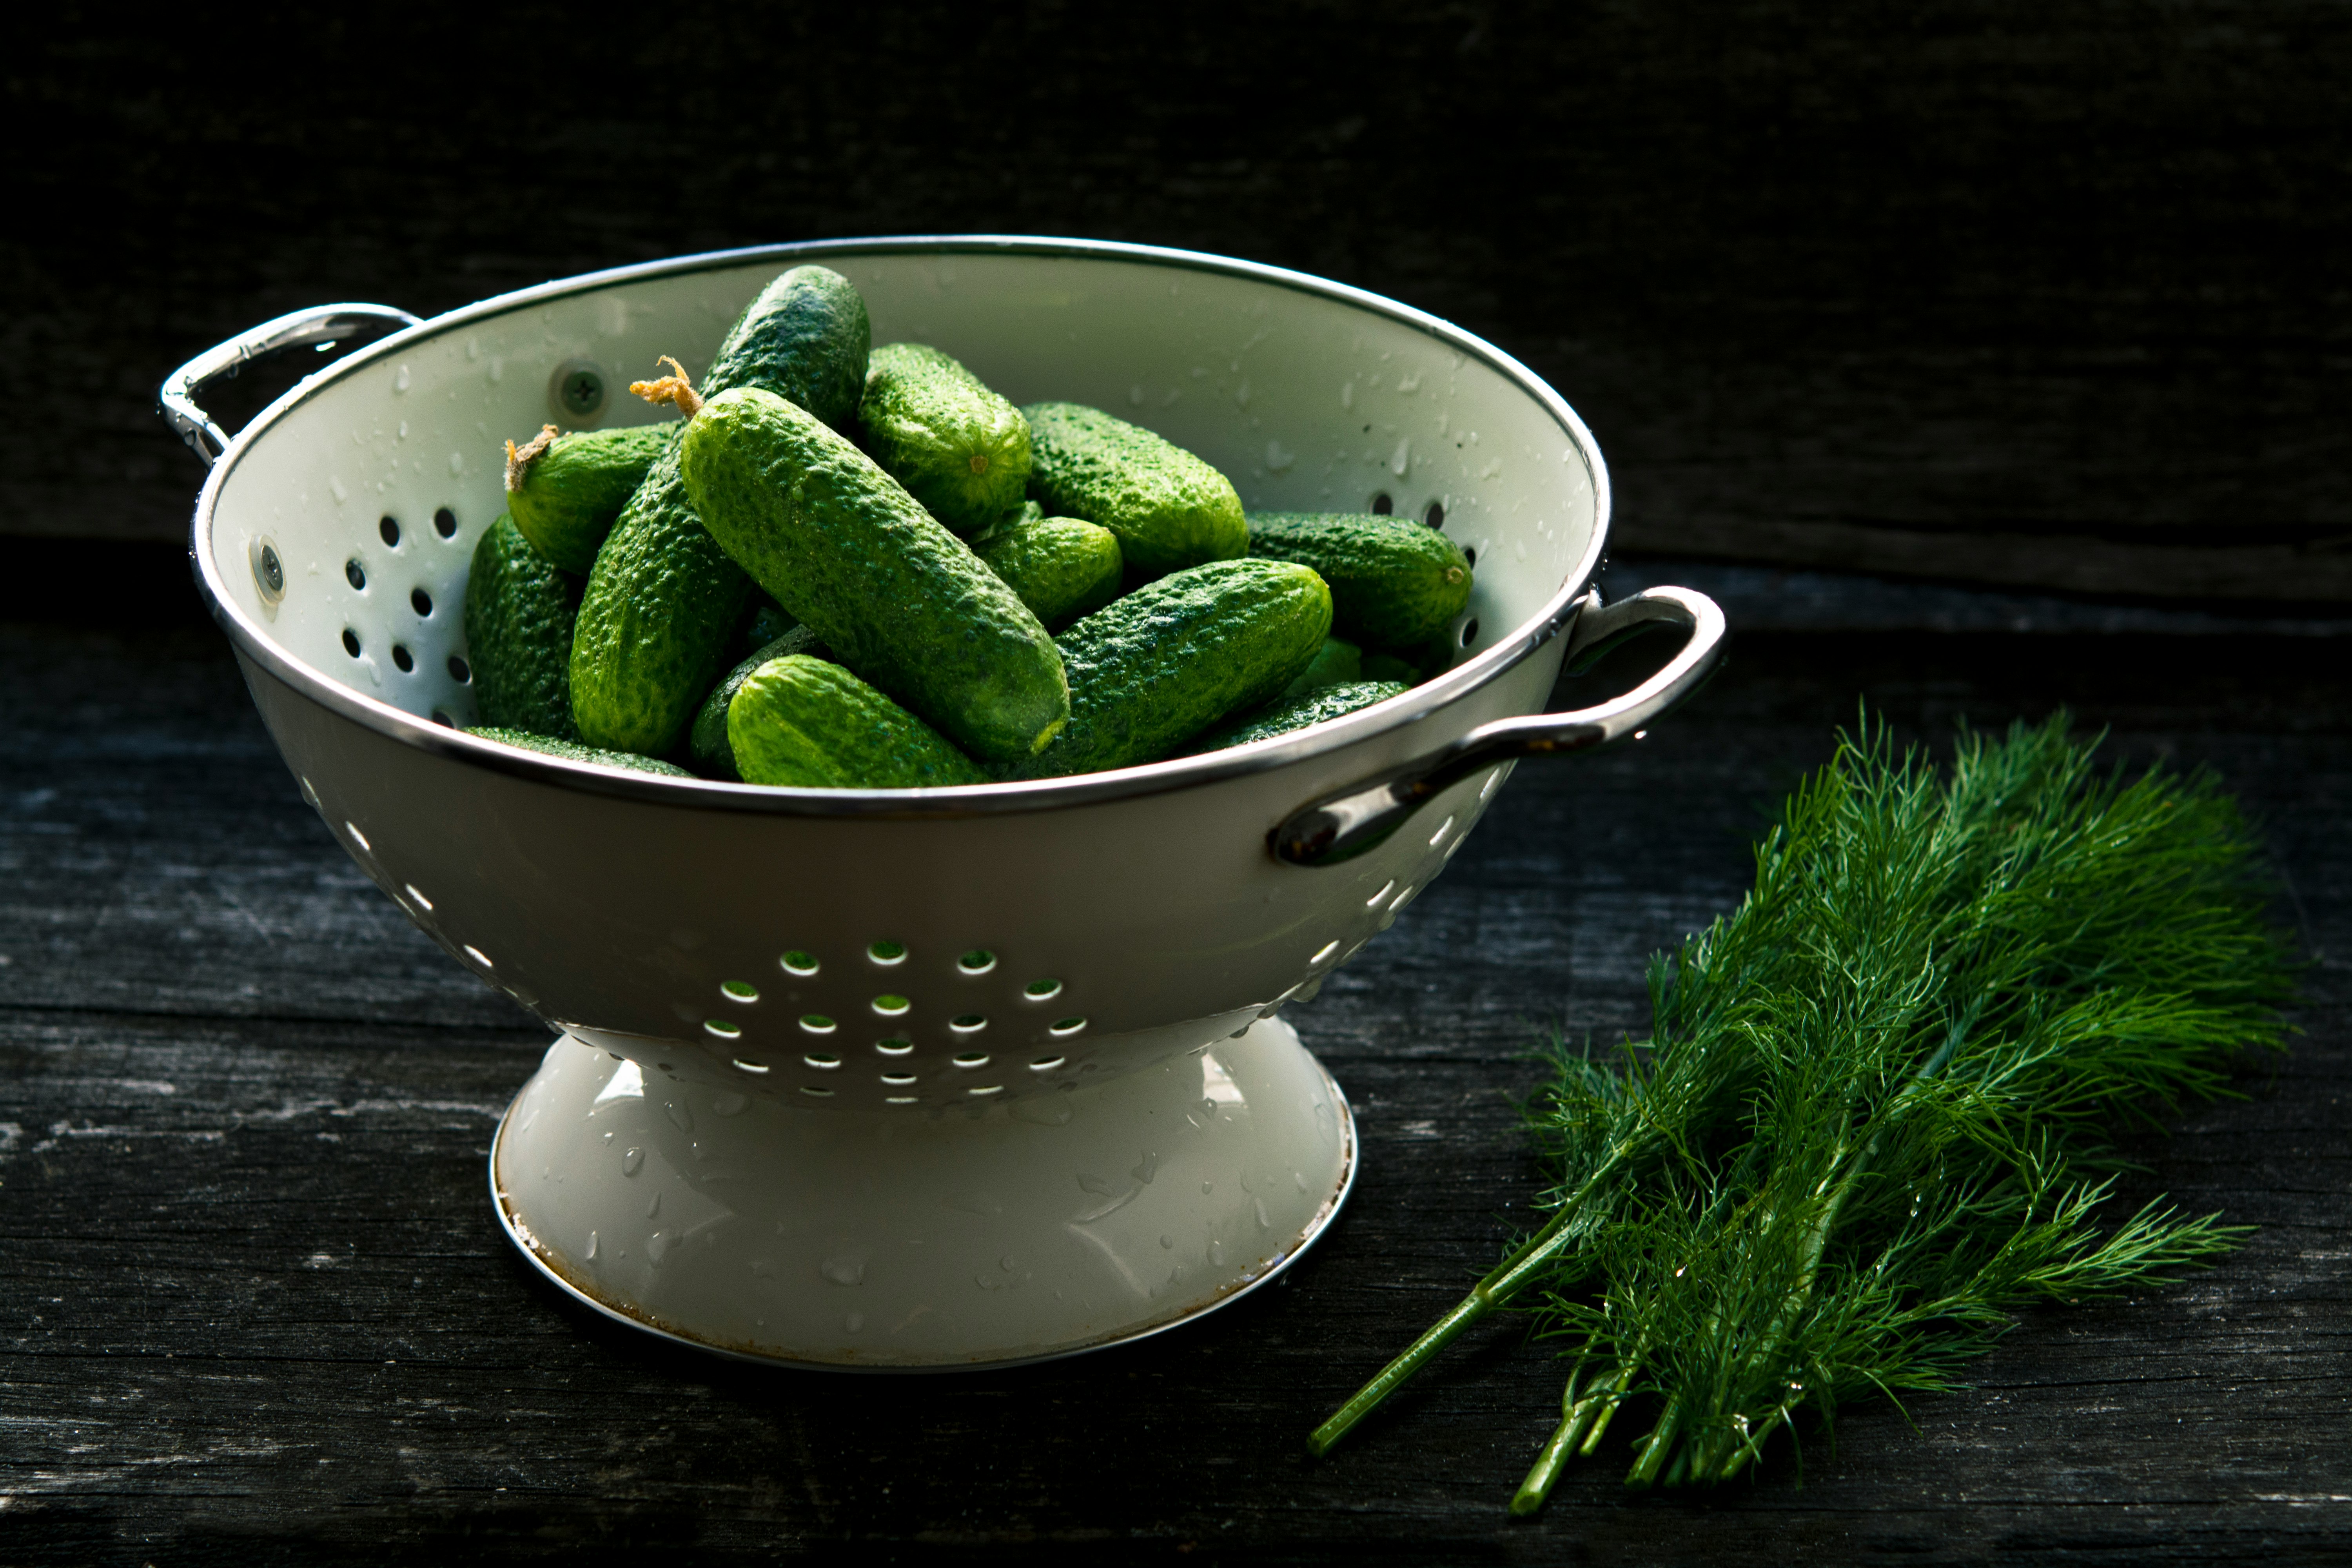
column 1343, row 825
column 296, row 329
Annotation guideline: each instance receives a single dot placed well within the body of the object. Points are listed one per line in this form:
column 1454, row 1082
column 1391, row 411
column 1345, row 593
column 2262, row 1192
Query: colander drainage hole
column 1434, row 516
column 445, row 523
column 1470, row 554
column 823, row 1062
column 979, row 961
column 891, row 1006
column 421, row 602
column 400, row 656
column 1469, row 631
column 350, row 642
column 443, row 718
column 389, row 527
column 1067, row 1026
column 969, row 1024
column 972, row 1059
column 817, row 1024
column 461, row 671
column 357, row 837
column 799, row 962
column 897, row 1079
column 1386, row 888
column 422, row 902
column 888, row 952
column 355, row 574
column 819, row 1093
column 1047, row 1064
column 899, row 1100
column 751, row 1066
column 1383, row 503
column 738, row 991
column 1041, row 990
column 479, row 956
column 1326, row 951
column 1443, row 829
column 895, row 1045
column 987, row 1088
column 724, row 1028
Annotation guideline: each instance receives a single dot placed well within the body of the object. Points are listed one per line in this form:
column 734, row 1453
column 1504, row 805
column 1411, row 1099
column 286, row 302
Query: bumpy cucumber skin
column 1295, row 713
column 1395, row 583
column 573, row 751
column 655, row 622
column 802, row 722
column 1156, row 667
column 806, row 337
column 899, row 599
column 1337, row 663
column 1062, row 567
column 572, row 493
column 663, row 600
column 936, row 428
column 706, row 747
column 520, row 609
column 1170, row 509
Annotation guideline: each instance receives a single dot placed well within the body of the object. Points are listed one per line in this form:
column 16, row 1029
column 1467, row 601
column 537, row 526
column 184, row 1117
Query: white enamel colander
column 912, row 1079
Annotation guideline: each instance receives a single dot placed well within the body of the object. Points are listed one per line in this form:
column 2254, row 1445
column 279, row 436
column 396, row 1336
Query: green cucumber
column 1061, row 566
column 664, row 599
column 1153, row 669
column 762, row 624
column 1395, row 583
column 1170, row 509
column 900, row 600
column 519, row 608
column 803, row 722
column 930, row 425
column 1336, row 664
column 565, row 495
column 1295, row 713
column 571, row 750
column 706, row 738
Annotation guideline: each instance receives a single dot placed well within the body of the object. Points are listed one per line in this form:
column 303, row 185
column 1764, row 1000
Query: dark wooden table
column 254, row 1306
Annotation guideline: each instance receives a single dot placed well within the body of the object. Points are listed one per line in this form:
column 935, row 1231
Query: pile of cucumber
column 859, row 568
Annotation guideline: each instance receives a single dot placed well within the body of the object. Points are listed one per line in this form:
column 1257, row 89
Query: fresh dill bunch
column 1868, row 1121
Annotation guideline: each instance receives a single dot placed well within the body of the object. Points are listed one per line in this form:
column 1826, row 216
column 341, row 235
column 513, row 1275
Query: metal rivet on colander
column 577, row 391
column 268, row 571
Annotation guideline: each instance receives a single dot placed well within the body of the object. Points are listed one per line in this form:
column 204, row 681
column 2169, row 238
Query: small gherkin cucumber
column 1395, row 583
column 664, row 600
column 1336, row 664
column 1152, row 669
column 762, row 624
column 900, row 600
column 1170, row 509
column 932, row 426
column 1061, row 566
column 1295, row 713
column 803, row 722
column 564, row 491
column 705, row 739
column 518, row 616
column 571, row 750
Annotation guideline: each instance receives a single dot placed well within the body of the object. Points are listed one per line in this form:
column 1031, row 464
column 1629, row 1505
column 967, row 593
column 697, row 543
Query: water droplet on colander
column 1146, row 1168
column 846, row 1269
column 679, row 1114
column 1168, row 1241
column 730, row 1103
column 657, row 1244
column 592, row 1246
column 653, row 1205
column 1262, row 1223
column 632, row 1161
column 1217, row 1252
column 854, row 1322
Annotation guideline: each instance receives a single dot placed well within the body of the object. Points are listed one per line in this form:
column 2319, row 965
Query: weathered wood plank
column 265, row 1312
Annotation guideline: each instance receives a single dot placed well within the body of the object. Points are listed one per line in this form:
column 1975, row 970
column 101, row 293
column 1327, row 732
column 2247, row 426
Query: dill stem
column 1527, row 1263
column 1545, row 1470
column 1656, row 1446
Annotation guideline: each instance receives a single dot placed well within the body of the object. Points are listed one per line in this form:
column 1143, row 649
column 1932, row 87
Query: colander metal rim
column 959, row 801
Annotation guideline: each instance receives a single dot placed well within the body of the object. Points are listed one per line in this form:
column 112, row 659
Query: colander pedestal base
column 977, row 1236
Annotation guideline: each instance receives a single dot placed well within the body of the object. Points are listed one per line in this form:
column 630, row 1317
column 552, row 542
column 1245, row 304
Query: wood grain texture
column 254, row 1306
column 1982, row 288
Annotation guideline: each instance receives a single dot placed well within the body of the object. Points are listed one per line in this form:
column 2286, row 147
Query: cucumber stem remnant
column 518, row 461
column 677, row 387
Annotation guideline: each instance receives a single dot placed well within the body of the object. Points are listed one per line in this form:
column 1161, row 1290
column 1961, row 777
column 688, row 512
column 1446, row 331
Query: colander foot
column 981, row 1237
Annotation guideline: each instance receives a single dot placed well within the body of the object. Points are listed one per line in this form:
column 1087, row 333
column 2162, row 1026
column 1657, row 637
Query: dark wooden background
column 2032, row 294
column 1968, row 301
